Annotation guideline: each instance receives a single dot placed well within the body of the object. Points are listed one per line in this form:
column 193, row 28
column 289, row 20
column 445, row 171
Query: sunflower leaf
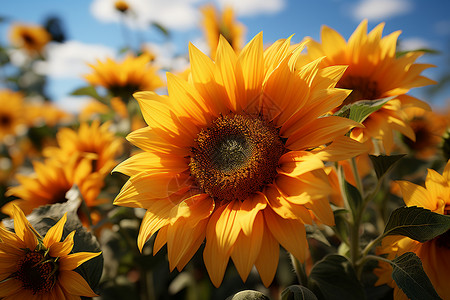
column 384, row 163
column 417, row 223
column 360, row 110
column 88, row 91
column 297, row 292
column 334, row 278
column 409, row 275
column 354, row 197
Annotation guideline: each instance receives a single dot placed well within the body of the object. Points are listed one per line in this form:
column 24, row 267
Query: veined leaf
column 384, row 163
column 297, row 292
column 360, row 110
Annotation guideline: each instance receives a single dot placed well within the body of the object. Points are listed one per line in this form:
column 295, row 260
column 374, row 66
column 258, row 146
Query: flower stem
column 299, row 271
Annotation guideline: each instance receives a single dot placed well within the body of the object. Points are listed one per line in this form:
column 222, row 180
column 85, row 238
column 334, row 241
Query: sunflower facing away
column 124, row 78
column 435, row 253
column 216, row 24
column 33, row 267
column 234, row 156
column 374, row 72
column 94, row 140
column 50, row 182
column 32, row 38
column 12, row 111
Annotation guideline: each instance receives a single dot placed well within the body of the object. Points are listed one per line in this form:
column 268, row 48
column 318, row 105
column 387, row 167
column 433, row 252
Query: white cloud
column 254, row 7
column 69, row 59
column 378, row 10
column 173, row 14
column 72, row 104
column 413, row 44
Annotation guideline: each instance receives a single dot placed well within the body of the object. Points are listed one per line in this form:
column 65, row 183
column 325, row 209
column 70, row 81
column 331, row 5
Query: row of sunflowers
column 309, row 165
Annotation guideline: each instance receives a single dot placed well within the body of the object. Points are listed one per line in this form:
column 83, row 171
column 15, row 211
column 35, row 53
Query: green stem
column 355, row 171
column 299, row 271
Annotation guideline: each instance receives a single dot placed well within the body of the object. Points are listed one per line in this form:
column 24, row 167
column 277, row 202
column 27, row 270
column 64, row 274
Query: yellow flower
column 126, row 77
column 32, row 38
column 374, row 72
column 234, row 155
column 51, row 181
column 95, row 141
column 11, row 113
column 46, row 113
column 435, row 253
column 32, row 267
column 121, row 6
column 215, row 25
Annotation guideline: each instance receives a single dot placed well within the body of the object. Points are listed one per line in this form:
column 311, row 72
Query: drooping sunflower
column 374, row 72
column 235, row 156
column 435, row 253
column 34, row 267
column 12, row 111
column 32, row 38
column 50, row 182
column 94, row 140
column 217, row 23
column 124, row 78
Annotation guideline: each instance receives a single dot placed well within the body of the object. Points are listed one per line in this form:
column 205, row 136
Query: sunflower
column 32, row 38
column 38, row 113
column 50, row 182
column 121, row 6
column 96, row 141
column 33, row 267
column 235, row 156
column 429, row 128
column 11, row 113
column 374, row 72
column 122, row 79
column 435, row 253
column 216, row 24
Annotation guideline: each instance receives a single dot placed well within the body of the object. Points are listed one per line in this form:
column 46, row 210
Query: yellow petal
column 22, row 228
column 415, row 195
column 72, row 261
column 75, row 284
column 62, row 248
column 341, row 148
column 267, row 260
column 248, row 211
column 10, row 287
column 295, row 163
column 193, row 209
column 54, row 234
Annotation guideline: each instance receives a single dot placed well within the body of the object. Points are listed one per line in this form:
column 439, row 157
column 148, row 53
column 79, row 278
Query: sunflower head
column 121, row 6
column 12, row 111
column 35, row 266
column 32, row 38
column 216, row 24
column 234, row 155
column 123, row 78
column 374, row 72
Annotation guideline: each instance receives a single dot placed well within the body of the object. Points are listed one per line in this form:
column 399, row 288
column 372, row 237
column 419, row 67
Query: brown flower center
column 5, row 121
column 236, row 157
column 36, row 273
column 424, row 137
column 363, row 88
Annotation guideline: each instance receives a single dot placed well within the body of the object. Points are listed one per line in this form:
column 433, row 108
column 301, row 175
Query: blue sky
column 93, row 29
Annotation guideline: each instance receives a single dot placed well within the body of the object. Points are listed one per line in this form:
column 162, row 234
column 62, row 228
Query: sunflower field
column 259, row 170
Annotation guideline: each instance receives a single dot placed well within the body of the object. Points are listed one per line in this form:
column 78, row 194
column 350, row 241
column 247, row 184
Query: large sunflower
column 12, row 111
column 374, row 72
column 435, row 253
column 33, row 267
column 124, row 78
column 235, row 156
column 32, row 38
column 51, row 181
column 217, row 23
column 95, row 141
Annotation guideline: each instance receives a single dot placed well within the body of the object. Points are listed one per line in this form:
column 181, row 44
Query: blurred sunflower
column 374, row 72
column 235, row 156
column 12, row 110
column 124, row 78
column 50, row 182
column 435, row 253
column 122, row 6
column 32, row 38
column 429, row 128
column 95, row 141
column 33, row 267
column 46, row 113
column 216, row 24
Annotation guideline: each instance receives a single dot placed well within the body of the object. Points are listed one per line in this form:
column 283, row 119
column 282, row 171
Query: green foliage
column 354, row 198
column 88, row 91
column 297, row 292
column 334, row 278
column 411, row 278
column 417, row 223
column 360, row 110
column 384, row 163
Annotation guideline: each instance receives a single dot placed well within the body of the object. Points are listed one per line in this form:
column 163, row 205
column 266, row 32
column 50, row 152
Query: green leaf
column 297, row 292
column 334, row 278
column 248, row 295
column 354, row 197
column 411, row 278
column 384, row 163
column 417, row 223
column 360, row 110
column 88, row 91
column 161, row 29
